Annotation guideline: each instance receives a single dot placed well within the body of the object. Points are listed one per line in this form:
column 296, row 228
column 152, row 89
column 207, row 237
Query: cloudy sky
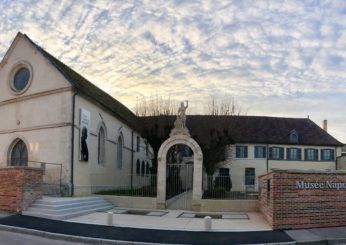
column 276, row 58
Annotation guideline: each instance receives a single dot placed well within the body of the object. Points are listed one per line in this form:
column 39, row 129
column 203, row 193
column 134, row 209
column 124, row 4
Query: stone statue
column 180, row 122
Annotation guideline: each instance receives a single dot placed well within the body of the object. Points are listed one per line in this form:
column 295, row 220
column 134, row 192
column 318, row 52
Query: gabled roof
column 87, row 88
column 244, row 129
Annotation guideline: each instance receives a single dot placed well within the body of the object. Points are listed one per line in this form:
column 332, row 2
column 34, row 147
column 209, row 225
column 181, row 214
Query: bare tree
column 222, row 107
column 156, row 106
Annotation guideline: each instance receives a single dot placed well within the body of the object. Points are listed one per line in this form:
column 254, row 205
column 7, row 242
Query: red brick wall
column 19, row 187
column 287, row 207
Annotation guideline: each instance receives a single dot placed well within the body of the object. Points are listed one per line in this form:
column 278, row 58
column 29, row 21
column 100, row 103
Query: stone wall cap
column 21, row 167
column 309, row 171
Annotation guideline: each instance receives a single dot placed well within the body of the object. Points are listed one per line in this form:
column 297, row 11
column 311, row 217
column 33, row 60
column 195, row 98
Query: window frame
column 250, row 179
column 17, row 142
column 306, row 150
column 281, row 152
column 264, row 151
column 101, row 146
column 16, row 67
column 138, row 146
column 245, row 151
column 331, row 156
column 120, row 151
column 299, row 154
column 138, row 167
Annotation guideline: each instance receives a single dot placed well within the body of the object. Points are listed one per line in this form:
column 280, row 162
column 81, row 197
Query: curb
column 69, row 238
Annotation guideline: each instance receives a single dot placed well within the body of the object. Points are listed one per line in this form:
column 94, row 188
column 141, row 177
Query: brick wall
column 19, row 187
column 286, row 206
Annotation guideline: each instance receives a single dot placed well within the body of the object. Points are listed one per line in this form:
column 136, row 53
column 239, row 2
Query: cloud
column 280, row 58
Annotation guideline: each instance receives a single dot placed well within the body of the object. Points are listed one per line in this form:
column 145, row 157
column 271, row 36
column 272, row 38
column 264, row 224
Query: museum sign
column 321, row 185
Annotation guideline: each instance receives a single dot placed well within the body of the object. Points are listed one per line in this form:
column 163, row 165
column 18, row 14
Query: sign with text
column 84, row 133
column 321, row 185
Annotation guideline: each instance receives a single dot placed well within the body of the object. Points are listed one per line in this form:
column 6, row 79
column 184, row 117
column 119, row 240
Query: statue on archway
column 180, row 121
column 182, row 113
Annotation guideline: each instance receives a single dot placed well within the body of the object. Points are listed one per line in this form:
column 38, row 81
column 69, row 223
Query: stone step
column 65, row 208
column 65, row 204
column 68, row 209
column 65, row 216
column 65, row 200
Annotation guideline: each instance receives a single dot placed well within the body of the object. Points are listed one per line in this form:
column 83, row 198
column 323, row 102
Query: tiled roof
column 87, row 88
column 244, row 129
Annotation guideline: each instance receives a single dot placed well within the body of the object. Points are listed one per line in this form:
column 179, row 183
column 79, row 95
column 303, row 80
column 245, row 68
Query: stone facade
column 288, row 204
column 42, row 118
column 19, row 187
column 262, row 166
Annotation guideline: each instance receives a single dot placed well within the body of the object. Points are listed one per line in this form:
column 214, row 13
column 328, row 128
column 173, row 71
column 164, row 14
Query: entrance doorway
column 179, row 186
column 179, row 177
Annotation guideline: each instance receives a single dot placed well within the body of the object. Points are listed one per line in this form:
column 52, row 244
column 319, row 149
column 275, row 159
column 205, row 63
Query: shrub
column 223, row 182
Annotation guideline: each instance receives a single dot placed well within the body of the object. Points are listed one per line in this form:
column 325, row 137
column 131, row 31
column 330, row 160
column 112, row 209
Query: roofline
column 73, row 84
column 11, row 48
column 273, row 143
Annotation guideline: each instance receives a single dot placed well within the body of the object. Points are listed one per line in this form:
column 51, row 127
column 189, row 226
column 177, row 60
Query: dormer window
column 294, row 138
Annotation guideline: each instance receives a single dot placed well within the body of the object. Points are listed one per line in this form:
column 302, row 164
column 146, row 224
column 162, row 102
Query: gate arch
column 176, row 139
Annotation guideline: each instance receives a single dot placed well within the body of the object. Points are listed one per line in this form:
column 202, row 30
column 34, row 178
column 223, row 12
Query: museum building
column 85, row 139
column 54, row 117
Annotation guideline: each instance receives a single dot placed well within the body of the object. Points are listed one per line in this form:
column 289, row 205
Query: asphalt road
column 13, row 238
column 145, row 235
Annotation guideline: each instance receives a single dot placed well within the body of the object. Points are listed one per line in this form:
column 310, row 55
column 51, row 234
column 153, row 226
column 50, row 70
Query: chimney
column 325, row 125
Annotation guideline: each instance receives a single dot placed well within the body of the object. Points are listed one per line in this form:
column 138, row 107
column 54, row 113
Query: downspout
column 267, row 158
column 72, row 142
column 336, row 158
column 132, row 159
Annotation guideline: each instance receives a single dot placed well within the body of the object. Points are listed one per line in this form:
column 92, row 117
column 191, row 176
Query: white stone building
column 249, row 146
column 41, row 106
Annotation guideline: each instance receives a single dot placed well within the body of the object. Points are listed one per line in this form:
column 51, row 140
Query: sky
column 275, row 58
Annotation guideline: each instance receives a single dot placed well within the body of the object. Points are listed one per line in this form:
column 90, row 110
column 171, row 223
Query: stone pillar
column 161, row 183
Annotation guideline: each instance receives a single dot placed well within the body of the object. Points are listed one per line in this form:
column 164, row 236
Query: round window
column 21, row 79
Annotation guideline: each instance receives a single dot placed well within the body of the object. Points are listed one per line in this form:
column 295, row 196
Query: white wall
column 40, row 116
column 88, row 174
column 237, row 166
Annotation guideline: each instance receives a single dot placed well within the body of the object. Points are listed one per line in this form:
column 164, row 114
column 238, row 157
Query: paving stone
column 187, row 215
column 156, row 213
column 120, row 211
column 235, row 216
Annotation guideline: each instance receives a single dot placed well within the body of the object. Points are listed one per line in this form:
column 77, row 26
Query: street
column 13, row 238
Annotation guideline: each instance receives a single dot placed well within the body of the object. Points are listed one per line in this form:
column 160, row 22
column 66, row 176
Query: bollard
column 110, row 218
column 207, row 223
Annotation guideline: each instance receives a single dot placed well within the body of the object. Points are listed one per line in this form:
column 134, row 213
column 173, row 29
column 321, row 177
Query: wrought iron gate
column 179, row 185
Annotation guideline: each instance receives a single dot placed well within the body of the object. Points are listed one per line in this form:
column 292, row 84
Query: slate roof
column 84, row 86
column 244, row 129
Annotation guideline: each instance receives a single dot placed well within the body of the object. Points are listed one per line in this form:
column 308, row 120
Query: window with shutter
column 260, row 152
column 311, row 154
column 293, row 154
column 241, row 151
column 276, row 153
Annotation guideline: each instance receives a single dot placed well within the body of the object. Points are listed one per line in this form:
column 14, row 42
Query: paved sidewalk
column 251, row 221
column 333, row 235
column 143, row 235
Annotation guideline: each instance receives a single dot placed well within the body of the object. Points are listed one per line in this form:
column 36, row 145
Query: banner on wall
column 84, row 135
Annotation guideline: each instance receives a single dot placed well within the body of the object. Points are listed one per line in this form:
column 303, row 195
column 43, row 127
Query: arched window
column 101, row 146
column 19, row 154
column 138, row 167
column 120, row 152
column 147, row 169
column 143, row 168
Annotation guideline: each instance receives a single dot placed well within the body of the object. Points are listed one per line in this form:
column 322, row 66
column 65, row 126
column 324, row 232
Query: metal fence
column 124, row 185
column 52, row 177
column 52, row 174
column 222, row 187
